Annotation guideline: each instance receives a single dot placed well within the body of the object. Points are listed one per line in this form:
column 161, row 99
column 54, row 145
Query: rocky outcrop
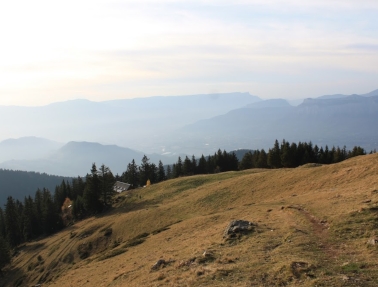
column 236, row 228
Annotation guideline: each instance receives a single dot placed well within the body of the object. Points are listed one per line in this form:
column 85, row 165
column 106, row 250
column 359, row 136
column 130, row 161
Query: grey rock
column 238, row 227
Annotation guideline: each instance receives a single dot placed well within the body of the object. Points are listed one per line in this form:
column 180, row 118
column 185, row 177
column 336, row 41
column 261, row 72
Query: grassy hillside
column 313, row 224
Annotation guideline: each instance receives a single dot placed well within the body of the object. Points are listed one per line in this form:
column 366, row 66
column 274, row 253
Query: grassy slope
column 313, row 225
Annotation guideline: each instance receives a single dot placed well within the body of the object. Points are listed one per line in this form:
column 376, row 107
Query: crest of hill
column 336, row 96
column 305, row 218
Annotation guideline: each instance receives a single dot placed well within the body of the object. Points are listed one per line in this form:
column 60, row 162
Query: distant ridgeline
column 41, row 212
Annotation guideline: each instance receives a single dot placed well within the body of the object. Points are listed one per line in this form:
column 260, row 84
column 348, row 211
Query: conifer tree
column 50, row 218
column 131, row 175
column 194, row 165
column 92, row 192
column 2, row 224
column 247, row 161
column 262, row 161
column 161, row 172
column 28, row 219
column 4, row 253
column 202, row 165
column 78, row 208
column 106, row 181
column 38, row 212
column 144, row 171
column 211, row 165
column 187, row 166
column 12, row 223
column 286, row 154
column 169, row 172
column 78, row 186
column 274, row 156
column 178, row 168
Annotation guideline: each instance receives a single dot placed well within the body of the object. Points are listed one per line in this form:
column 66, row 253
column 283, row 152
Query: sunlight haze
column 101, row 50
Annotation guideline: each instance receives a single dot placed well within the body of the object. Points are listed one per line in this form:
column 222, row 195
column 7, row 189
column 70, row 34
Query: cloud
column 103, row 49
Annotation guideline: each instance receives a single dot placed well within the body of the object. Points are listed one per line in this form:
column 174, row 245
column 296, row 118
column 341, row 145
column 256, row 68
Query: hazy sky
column 99, row 50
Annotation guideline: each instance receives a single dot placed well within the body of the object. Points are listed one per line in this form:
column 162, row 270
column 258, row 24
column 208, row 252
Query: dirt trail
column 320, row 230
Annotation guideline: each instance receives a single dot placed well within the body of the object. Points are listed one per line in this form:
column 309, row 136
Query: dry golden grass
column 313, row 225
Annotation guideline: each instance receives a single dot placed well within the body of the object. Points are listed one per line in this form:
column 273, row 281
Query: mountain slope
column 19, row 184
column 312, row 225
column 350, row 121
column 76, row 158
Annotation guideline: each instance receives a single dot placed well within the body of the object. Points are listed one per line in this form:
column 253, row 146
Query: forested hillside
column 19, row 184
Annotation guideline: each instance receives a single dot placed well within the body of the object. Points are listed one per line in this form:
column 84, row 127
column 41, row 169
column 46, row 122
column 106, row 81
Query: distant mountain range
column 350, row 120
column 76, row 158
column 133, row 123
column 115, row 132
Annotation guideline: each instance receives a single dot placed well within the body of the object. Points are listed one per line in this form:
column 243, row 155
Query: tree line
column 290, row 155
column 46, row 213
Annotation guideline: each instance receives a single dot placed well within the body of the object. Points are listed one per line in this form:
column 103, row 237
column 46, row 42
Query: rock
column 187, row 262
column 373, row 241
column 238, row 227
column 108, row 231
column 345, row 278
column 158, row 264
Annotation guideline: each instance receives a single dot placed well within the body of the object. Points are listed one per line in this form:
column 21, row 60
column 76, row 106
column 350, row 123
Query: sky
column 102, row 50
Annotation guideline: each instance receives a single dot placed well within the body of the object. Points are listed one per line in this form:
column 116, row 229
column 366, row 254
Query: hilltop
column 312, row 225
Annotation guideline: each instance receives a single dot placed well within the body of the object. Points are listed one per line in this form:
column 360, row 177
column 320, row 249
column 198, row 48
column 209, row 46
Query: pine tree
column 12, row 223
column 144, row 170
column 210, row 163
column 187, row 167
column 131, row 175
column 78, row 208
column 247, row 161
column 78, row 186
column 92, row 192
column 38, row 229
column 262, row 161
column 286, row 155
column 274, row 156
column 4, row 253
column 2, row 224
column 153, row 174
column 28, row 219
column 232, row 162
column 169, row 172
column 161, row 172
column 106, row 181
column 178, row 168
column 202, row 165
column 50, row 218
